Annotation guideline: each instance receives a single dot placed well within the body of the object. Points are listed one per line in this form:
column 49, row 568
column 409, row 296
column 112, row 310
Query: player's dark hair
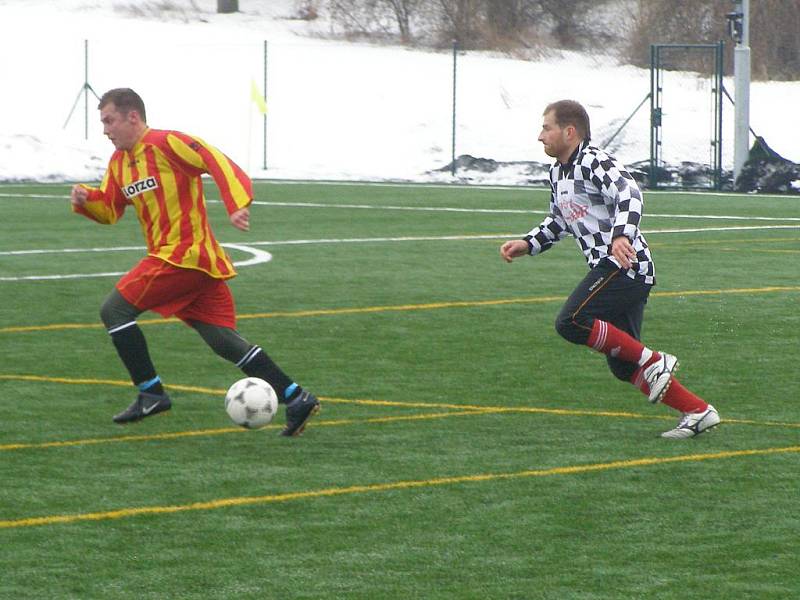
column 569, row 112
column 125, row 100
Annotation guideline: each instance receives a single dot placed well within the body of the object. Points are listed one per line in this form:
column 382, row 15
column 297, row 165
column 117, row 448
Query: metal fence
column 332, row 110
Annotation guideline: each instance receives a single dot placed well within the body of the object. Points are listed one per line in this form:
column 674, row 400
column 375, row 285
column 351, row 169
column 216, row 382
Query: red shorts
column 189, row 294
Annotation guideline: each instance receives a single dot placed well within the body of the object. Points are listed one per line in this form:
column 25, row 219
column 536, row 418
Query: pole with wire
column 265, row 104
column 85, row 89
column 453, row 141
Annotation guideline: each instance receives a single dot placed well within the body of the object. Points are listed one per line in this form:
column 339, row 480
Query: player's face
column 558, row 142
column 121, row 128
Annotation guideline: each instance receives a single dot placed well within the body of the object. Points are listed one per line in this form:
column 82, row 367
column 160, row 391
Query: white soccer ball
column 251, row 402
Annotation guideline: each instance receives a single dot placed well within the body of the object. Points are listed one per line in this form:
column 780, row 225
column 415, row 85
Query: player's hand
column 78, row 196
column 241, row 219
column 623, row 251
column 513, row 249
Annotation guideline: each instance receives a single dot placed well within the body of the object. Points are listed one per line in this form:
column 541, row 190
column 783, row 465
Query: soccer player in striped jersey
column 596, row 201
column 158, row 173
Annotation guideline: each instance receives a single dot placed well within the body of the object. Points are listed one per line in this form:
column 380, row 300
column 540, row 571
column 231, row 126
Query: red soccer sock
column 640, row 382
column 614, row 342
column 679, row 398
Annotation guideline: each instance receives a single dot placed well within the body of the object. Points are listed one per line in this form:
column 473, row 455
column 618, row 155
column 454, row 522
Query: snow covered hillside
column 335, row 110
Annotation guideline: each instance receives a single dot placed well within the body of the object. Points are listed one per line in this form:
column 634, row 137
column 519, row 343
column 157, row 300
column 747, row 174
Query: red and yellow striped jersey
column 161, row 178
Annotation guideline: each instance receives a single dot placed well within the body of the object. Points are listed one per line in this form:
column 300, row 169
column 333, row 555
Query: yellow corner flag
column 256, row 97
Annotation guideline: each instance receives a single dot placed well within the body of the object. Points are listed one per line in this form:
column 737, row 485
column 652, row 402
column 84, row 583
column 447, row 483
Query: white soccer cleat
column 659, row 376
column 693, row 424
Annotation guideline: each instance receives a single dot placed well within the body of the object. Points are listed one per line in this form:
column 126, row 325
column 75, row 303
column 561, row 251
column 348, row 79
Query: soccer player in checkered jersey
column 158, row 173
column 596, row 200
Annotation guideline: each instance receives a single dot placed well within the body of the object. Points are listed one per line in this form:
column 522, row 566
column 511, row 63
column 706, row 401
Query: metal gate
column 689, row 56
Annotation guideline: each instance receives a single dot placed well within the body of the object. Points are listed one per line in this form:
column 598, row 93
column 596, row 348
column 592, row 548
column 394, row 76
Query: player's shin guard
column 131, row 346
column 256, row 363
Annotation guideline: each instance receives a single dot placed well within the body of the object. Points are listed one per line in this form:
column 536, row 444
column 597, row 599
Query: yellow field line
column 496, row 409
column 464, row 408
column 372, row 420
column 224, row 430
column 765, row 251
column 472, row 408
column 122, row 438
column 757, row 250
column 763, row 290
column 748, row 242
column 384, row 487
column 66, row 380
column 388, row 403
column 454, row 411
column 220, row 392
column 400, row 308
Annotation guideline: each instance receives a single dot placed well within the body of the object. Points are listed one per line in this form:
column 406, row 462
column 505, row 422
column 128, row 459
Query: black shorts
column 608, row 294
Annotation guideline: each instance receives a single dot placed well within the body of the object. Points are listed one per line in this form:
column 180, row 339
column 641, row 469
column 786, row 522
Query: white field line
column 256, row 257
column 461, row 186
column 375, row 240
column 521, row 211
column 499, row 210
column 520, row 187
column 444, row 209
column 261, row 256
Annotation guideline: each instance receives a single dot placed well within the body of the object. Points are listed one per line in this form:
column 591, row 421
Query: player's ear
column 571, row 131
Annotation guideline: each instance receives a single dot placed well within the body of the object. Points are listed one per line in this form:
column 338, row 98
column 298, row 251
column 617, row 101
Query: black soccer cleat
column 145, row 405
column 298, row 412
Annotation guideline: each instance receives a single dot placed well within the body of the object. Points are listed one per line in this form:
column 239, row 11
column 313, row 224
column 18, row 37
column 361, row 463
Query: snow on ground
column 336, row 110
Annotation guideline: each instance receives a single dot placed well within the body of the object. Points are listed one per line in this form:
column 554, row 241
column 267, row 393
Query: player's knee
column 107, row 313
column 570, row 329
column 117, row 311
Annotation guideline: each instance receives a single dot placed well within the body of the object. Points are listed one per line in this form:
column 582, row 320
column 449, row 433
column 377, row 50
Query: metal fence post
column 227, row 6
column 265, row 102
column 85, row 89
column 453, row 143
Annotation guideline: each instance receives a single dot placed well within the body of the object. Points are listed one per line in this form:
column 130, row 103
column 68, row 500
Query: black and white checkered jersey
column 595, row 199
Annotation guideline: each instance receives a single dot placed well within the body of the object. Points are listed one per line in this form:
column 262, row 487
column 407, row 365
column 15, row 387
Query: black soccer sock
column 256, row 363
column 132, row 349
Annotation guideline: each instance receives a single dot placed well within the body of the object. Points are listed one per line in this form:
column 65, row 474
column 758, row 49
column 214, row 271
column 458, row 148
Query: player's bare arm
column 241, row 219
column 79, row 195
column 622, row 250
column 513, row 249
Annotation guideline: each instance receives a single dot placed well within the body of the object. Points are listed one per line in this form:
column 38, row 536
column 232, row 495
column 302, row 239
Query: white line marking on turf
column 725, row 217
column 61, row 277
column 70, row 250
column 256, row 257
column 432, row 238
column 254, row 251
column 261, row 256
column 394, row 207
column 35, row 196
column 733, row 228
column 493, row 236
column 498, row 210
column 453, row 209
